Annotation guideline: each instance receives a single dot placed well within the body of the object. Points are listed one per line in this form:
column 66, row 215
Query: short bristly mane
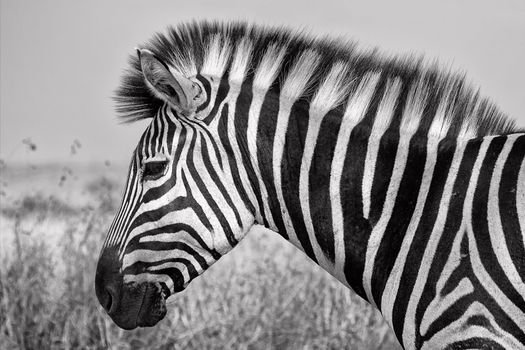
column 323, row 70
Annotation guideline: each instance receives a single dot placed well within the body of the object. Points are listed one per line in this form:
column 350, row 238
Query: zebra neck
column 323, row 184
column 342, row 192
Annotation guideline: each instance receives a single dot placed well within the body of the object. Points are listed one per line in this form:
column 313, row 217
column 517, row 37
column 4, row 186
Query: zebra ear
column 167, row 85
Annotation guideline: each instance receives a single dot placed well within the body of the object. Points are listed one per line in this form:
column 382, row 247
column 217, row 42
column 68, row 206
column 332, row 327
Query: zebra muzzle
column 137, row 305
column 153, row 304
column 130, row 305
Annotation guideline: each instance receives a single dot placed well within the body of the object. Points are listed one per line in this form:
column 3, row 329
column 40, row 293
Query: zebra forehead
column 304, row 66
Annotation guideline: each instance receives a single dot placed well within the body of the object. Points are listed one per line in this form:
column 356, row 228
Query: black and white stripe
column 397, row 179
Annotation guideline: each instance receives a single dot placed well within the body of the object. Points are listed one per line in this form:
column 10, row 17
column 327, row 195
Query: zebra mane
column 325, row 72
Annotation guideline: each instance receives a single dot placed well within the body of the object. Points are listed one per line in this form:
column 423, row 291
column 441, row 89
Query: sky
column 60, row 60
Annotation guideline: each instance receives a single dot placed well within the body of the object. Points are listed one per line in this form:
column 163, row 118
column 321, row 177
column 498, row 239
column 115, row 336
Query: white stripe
column 443, row 117
column 442, row 302
column 148, row 277
column 137, row 194
column 379, row 229
column 180, row 236
column 297, row 81
column 409, row 328
column 217, row 55
column 382, row 120
column 520, row 198
column 152, row 256
column 185, row 216
column 460, row 330
column 163, row 149
column 253, row 123
column 392, row 286
column 125, row 220
column 409, row 123
column 112, row 232
column 293, row 88
column 355, row 110
column 328, row 96
column 512, row 311
column 215, row 193
column 235, row 81
column 218, row 235
column 497, row 236
column 269, row 67
column 225, row 174
column 240, row 62
column 264, row 77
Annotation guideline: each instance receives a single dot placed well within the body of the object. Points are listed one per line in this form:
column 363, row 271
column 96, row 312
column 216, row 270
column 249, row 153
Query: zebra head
column 181, row 210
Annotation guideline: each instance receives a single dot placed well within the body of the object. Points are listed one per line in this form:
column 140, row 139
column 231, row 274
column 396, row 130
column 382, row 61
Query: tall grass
column 264, row 295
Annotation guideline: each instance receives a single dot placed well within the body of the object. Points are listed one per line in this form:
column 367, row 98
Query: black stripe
column 404, row 206
column 194, row 174
column 222, row 93
column 265, row 141
column 196, row 207
column 216, row 179
column 458, row 308
column 319, row 181
column 480, row 223
column 242, row 109
column 508, row 206
column 156, row 214
column 424, row 229
column 207, row 89
column 177, row 227
column 161, row 190
column 290, row 171
column 170, row 125
column 175, row 275
column 132, row 210
column 166, row 246
column 142, row 267
column 357, row 229
column 225, row 139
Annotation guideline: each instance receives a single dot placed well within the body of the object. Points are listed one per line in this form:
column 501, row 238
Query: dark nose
column 108, row 281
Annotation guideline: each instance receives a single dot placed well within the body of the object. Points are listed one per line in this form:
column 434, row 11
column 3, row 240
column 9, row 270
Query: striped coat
column 394, row 176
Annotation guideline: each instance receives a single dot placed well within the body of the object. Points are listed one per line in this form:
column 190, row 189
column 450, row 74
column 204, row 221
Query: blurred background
column 63, row 159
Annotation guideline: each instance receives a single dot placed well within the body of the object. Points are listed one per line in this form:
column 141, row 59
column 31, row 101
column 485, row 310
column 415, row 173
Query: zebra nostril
column 108, row 281
column 107, row 293
column 110, row 301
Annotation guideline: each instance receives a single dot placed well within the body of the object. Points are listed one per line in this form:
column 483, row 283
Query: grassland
column 264, row 295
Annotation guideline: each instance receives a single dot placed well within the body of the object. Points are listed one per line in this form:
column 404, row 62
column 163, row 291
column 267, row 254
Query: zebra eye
column 154, row 170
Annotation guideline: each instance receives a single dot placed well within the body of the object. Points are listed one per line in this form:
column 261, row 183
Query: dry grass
column 264, row 295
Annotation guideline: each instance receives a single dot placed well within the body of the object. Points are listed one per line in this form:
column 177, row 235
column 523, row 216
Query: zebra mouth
column 153, row 306
column 140, row 305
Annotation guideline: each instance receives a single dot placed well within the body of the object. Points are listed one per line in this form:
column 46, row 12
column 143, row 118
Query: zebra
column 391, row 173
